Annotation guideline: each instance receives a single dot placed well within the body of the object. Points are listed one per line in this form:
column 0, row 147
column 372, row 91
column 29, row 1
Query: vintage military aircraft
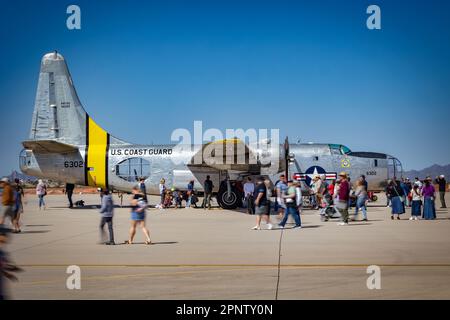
column 67, row 145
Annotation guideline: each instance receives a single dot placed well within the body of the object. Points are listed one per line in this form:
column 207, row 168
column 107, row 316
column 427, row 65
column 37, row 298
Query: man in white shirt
column 249, row 189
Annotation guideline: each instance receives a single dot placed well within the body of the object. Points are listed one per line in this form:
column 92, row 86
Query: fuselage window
column 375, row 163
column 133, row 169
column 316, row 158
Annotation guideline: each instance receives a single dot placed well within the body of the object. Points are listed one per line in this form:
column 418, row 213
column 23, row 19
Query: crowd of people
column 173, row 197
column 285, row 198
column 285, row 195
column 419, row 196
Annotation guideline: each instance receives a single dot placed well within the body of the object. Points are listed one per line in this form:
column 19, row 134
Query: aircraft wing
column 48, row 146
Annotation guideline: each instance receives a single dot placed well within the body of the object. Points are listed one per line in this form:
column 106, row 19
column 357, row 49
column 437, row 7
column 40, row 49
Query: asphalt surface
column 213, row 254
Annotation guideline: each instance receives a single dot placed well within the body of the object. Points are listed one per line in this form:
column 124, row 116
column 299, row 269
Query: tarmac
column 213, row 254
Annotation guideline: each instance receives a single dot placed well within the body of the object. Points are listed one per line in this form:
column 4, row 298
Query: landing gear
column 372, row 196
column 228, row 196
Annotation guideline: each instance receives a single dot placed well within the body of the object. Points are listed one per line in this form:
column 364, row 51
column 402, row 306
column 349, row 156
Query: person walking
column 291, row 207
column 69, row 191
column 442, row 188
column 138, row 206
column 281, row 188
column 331, row 187
column 365, row 183
column 260, row 196
column 387, row 190
column 162, row 192
column 107, row 212
column 189, row 193
column 409, row 187
column 406, row 191
column 41, row 192
column 208, row 189
column 269, row 192
column 416, row 203
column 249, row 190
column 361, row 198
column 19, row 196
column 8, row 203
column 343, row 197
column 395, row 194
column 428, row 193
column 298, row 197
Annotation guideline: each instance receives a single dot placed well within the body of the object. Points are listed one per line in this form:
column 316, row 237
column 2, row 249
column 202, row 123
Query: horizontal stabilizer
column 48, row 146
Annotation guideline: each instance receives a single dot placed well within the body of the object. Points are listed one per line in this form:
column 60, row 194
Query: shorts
column 8, row 212
column 260, row 210
column 137, row 216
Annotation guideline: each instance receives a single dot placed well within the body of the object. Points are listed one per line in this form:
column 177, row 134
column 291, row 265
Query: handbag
column 401, row 198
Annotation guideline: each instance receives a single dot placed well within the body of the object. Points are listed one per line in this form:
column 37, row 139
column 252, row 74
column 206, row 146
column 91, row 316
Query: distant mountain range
column 21, row 176
column 433, row 171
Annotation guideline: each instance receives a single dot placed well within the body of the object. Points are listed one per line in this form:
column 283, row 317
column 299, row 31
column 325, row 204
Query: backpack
column 141, row 205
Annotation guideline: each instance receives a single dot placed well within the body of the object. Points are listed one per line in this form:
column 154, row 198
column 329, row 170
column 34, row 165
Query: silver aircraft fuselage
column 66, row 145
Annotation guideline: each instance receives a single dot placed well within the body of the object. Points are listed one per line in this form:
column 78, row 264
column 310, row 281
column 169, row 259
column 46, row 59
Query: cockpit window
column 339, row 149
column 133, row 169
column 345, row 150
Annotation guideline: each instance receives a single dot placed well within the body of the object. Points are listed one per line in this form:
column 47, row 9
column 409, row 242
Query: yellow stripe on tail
column 97, row 155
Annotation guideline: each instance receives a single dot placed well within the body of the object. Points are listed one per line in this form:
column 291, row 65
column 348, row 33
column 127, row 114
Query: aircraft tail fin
column 61, row 125
column 58, row 114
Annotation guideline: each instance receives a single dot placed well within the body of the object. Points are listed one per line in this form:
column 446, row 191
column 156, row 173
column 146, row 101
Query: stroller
column 328, row 210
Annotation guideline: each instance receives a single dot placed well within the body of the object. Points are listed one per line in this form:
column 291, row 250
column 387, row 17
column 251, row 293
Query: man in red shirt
column 343, row 197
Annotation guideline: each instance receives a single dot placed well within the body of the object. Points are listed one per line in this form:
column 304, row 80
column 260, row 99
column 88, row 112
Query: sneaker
column 398, row 218
column 392, row 217
column 280, row 226
column 297, row 227
column 412, row 218
column 269, row 226
column 343, row 224
column 110, row 243
column 256, row 228
column 365, row 220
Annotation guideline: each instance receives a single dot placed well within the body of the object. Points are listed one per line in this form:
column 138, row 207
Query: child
column 168, row 199
column 416, row 206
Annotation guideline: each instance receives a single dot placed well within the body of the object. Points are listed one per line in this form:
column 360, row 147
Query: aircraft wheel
column 374, row 198
column 230, row 201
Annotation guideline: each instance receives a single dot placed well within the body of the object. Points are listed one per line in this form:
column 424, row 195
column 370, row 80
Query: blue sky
column 310, row 68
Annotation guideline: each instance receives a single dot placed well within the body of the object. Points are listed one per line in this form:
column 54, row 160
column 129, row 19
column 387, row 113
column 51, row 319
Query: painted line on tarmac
column 200, row 269
column 137, row 275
